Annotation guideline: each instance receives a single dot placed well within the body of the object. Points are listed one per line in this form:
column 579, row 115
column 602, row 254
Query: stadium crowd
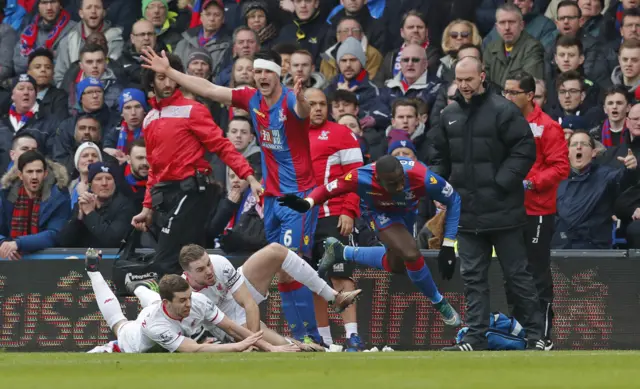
column 377, row 72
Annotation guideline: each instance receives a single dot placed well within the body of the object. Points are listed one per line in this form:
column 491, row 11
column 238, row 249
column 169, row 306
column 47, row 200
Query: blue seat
column 614, row 240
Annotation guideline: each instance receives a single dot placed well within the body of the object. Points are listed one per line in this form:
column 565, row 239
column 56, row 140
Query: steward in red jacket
column 541, row 185
column 180, row 189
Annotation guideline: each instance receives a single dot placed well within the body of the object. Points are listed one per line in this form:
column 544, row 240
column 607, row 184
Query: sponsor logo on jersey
column 408, row 163
column 447, row 191
column 433, row 181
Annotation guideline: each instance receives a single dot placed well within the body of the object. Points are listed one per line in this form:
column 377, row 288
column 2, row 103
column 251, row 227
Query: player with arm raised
column 170, row 319
column 389, row 190
column 281, row 120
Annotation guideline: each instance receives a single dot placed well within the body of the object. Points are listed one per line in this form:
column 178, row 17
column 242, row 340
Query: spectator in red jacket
column 541, row 185
column 180, row 189
column 334, row 152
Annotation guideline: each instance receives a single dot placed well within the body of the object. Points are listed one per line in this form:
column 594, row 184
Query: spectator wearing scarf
column 34, row 211
column 357, row 81
column 42, row 32
column 133, row 107
column 132, row 179
column 252, row 11
column 211, row 36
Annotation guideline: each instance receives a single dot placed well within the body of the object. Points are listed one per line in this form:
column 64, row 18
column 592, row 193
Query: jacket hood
column 57, row 176
column 329, row 54
column 251, row 149
column 316, row 79
column 618, row 79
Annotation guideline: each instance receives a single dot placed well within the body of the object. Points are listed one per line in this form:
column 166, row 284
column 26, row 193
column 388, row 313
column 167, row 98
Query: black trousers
column 537, row 237
column 475, row 258
column 179, row 218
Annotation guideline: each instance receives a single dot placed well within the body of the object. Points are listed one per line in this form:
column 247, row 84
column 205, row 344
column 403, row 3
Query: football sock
column 368, row 256
column 350, row 328
column 146, row 296
column 302, row 272
column 325, row 332
column 420, row 275
column 297, row 306
column 107, row 301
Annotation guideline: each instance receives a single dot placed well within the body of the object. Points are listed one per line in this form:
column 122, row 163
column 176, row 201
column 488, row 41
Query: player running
column 280, row 118
column 169, row 320
column 239, row 292
column 389, row 190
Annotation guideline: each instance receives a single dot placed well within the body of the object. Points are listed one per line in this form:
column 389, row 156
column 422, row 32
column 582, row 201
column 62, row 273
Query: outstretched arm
column 321, row 194
column 197, row 85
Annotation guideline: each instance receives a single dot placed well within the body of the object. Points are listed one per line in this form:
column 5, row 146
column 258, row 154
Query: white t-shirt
column 227, row 281
column 154, row 326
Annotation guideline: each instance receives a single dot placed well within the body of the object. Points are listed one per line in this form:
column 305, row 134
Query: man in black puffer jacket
column 484, row 148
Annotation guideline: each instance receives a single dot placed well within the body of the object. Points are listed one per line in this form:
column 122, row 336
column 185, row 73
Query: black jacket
column 105, row 227
column 485, row 149
column 373, row 29
column 43, row 129
column 55, row 104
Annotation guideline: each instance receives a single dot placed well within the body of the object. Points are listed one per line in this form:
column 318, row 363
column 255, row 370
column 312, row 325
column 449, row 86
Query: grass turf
column 560, row 369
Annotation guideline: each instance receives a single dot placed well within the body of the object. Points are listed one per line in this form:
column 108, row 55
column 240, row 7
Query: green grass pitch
column 425, row 370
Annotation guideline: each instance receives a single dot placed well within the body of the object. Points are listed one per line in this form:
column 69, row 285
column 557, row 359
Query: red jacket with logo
column 335, row 151
column 551, row 166
column 177, row 132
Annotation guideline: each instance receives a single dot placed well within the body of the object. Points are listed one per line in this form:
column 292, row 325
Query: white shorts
column 129, row 337
column 233, row 310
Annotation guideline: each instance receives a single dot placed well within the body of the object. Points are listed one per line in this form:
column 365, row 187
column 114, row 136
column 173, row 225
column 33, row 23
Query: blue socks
column 367, row 256
column 420, row 275
column 298, row 310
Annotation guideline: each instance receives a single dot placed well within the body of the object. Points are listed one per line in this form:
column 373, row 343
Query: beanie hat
column 201, row 54
column 145, row 4
column 574, row 122
column 132, row 94
column 398, row 139
column 97, row 168
column 24, row 78
column 352, row 46
column 83, row 147
column 84, row 84
column 253, row 5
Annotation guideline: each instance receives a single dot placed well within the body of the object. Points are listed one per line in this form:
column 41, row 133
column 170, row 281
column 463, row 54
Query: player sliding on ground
column 389, row 191
column 170, row 319
column 238, row 292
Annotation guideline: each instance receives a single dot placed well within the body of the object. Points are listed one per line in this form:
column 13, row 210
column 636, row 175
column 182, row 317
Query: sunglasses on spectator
column 463, row 34
column 411, row 59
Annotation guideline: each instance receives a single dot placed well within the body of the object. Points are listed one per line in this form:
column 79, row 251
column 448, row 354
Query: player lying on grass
column 170, row 319
column 238, row 292
column 389, row 191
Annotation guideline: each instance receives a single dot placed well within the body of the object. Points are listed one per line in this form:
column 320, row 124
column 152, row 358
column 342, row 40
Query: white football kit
column 227, row 282
column 154, row 327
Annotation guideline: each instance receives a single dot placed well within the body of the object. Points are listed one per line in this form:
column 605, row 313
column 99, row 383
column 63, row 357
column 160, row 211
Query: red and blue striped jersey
column 283, row 138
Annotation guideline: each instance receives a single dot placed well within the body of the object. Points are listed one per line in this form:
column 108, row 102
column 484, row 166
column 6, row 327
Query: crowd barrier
column 47, row 304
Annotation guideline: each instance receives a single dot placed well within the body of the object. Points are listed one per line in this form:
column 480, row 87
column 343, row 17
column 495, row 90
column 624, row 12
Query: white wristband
column 310, row 201
column 448, row 243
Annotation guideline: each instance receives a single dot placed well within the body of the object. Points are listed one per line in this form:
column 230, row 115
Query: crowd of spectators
column 72, row 99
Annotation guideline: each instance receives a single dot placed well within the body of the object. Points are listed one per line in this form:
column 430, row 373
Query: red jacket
column 335, row 151
column 177, row 132
column 551, row 166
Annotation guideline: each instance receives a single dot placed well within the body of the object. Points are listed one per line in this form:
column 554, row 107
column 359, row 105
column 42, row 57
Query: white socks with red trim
column 302, row 272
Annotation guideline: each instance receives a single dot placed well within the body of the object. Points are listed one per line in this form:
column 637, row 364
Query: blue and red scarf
column 22, row 119
column 356, row 81
column 396, row 64
column 30, row 34
column 127, row 136
column 619, row 12
column 135, row 183
column 202, row 41
column 607, row 140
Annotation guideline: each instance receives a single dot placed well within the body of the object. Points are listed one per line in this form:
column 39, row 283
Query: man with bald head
column 485, row 148
column 413, row 80
column 334, row 152
column 143, row 34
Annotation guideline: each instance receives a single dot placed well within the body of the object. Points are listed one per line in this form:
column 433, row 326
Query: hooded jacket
column 316, row 80
column 329, row 67
column 374, row 29
column 485, row 149
column 251, row 154
column 217, row 47
column 617, row 78
column 69, row 50
column 54, row 208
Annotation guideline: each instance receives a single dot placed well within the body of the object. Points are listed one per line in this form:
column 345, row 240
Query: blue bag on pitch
column 504, row 333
